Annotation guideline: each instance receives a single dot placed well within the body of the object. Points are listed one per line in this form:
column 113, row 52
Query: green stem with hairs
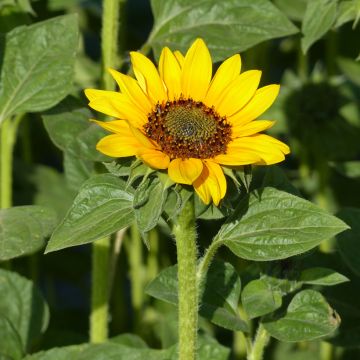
column 185, row 236
column 101, row 259
column 262, row 339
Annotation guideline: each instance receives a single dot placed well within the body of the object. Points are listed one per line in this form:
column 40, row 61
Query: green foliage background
column 279, row 269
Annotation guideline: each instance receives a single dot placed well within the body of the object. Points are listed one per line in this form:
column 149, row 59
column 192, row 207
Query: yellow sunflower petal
column 238, row 93
column 268, row 149
column 179, row 57
column 131, row 88
column 143, row 139
column 116, row 105
column 224, row 75
column 170, row 72
column 262, row 100
column 251, row 128
column 196, row 71
column 154, row 158
column 201, row 187
column 211, row 183
column 148, row 77
column 117, row 145
column 115, row 126
column 185, row 171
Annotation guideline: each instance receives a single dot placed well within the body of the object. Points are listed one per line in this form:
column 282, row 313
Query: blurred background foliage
column 310, row 47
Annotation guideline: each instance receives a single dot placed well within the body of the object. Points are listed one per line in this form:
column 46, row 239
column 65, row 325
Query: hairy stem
column 185, row 236
column 261, row 340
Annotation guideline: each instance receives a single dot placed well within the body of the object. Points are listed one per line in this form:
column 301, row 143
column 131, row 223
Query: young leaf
column 320, row 16
column 348, row 11
column 220, row 294
column 348, row 242
column 270, row 224
column 322, row 276
column 149, row 199
column 36, row 77
column 227, row 26
column 23, row 230
column 258, row 298
column 351, row 70
column 103, row 206
column 22, row 304
column 308, row 317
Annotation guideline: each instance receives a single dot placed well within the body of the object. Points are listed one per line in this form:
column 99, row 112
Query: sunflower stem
column 185, row 236
column 100, row 291
column 101, row 256
column 109, row 40
column 261, row 340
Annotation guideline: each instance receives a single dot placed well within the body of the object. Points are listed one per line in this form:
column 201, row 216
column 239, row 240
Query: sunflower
column 181, row 119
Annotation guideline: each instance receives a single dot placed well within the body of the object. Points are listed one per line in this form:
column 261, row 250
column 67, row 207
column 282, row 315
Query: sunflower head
column 180, row 119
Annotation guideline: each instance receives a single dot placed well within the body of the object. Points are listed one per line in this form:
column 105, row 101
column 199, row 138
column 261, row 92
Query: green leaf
column 320, row 16
column 258, row 298
column 228, row 27
column 270, row 224
column 22, row 304
column 220, row 294
column 129, row 340
column 77, row 170
column 23, row 230
column 308, row 317
column 294, row 9
column 70, row 130
column 149, row 200
column 36, row 77
column 102, row 207
column 322, row 276
column 348, row 11
column 348, row 242
column 10, row 342
column 51, row 190
column 209, row 348
column 351, row 69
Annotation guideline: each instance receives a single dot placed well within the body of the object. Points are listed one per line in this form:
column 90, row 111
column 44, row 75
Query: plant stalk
column 101, row 257
column 100, row 291
column 185, row 236
column 261, row 340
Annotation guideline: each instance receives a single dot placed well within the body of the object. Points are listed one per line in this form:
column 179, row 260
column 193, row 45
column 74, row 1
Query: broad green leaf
column 258, row 298
column 102, row 207
column 209, row 348
column 220, row 294
column 77, row 170
column 129, row 340
column 149, row 200
column 348, row 242
column 270, row 224
column 308, row 317
column 22, row 304
column 350, row 68
column 322, row 276
column 320, row 15
column 64, row 353
column 228, row 27
column 294, row 9
column 23, row 230
column 70, row 130
column 10, row 342
column 349, row 10
column 38, row 65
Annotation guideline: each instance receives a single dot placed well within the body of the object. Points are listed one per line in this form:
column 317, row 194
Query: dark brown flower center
column 188, row 129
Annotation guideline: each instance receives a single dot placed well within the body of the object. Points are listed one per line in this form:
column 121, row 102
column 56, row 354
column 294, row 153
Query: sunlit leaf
column 36, row 77
column 271, row 224
column 308, row 317
column 102, row 207
column 322, row 276
column 227, row 26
